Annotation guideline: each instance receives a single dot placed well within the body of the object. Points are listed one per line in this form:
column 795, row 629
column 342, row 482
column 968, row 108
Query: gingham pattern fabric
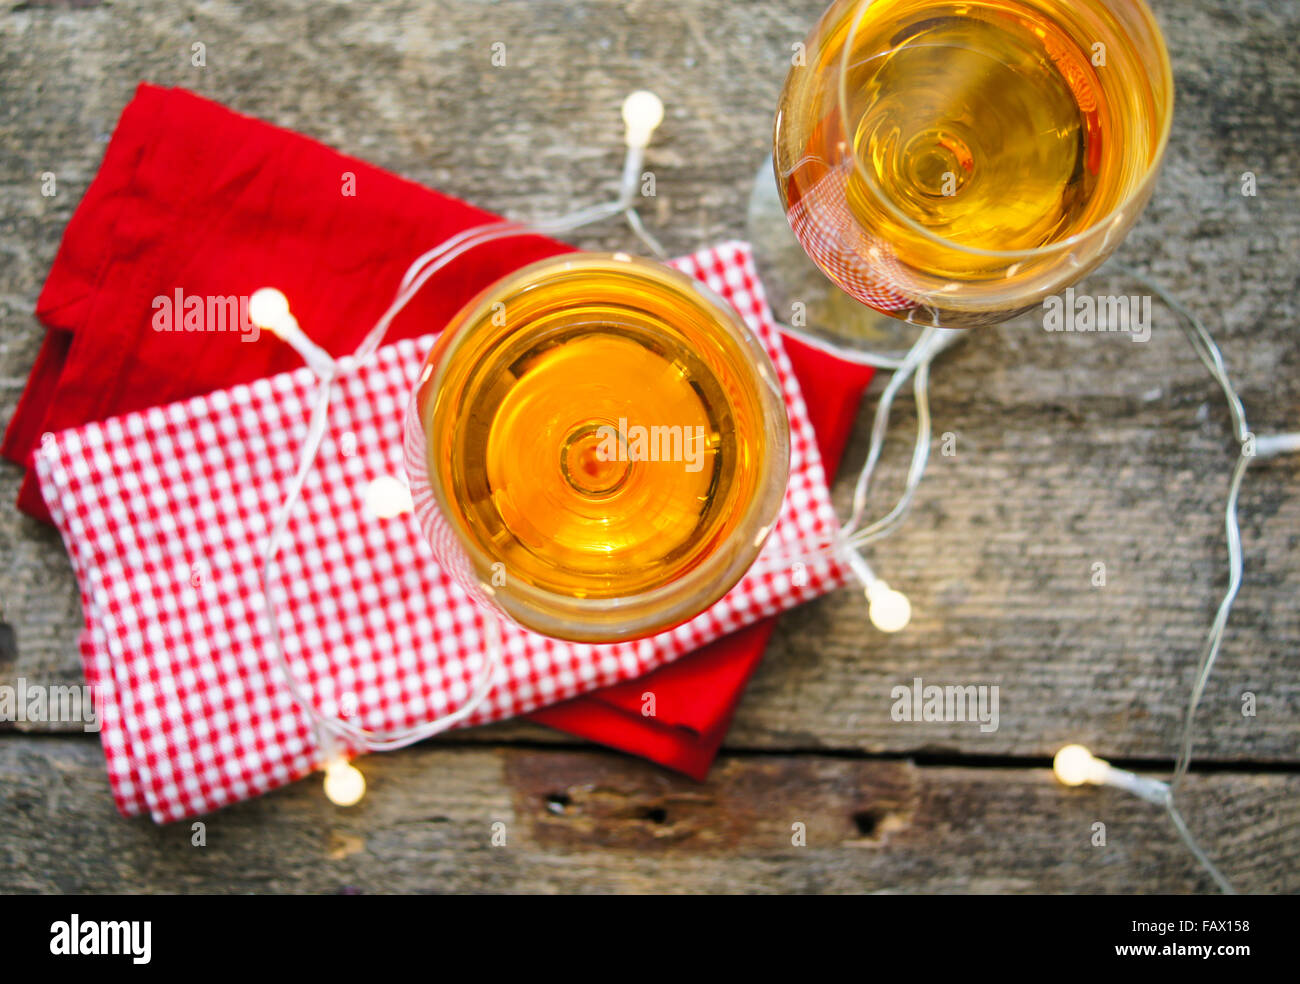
column 863, row 266
column 165, row 514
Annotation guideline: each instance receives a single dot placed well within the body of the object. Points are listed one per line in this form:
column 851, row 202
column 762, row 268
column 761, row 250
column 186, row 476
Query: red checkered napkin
column 165, row 513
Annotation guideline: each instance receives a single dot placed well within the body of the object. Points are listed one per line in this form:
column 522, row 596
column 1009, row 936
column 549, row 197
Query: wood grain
column 576, row 821
column 1070, row 450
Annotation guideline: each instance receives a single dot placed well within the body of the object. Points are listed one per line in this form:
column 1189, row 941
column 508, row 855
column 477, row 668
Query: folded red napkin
column 165, row 513
column 193, row 194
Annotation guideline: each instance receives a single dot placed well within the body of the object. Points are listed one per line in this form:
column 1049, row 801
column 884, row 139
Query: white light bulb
column 889, row 610
column 344, row 783
column 642, row 112
column 1074, row 765
column 268, row 308
column 387, row 497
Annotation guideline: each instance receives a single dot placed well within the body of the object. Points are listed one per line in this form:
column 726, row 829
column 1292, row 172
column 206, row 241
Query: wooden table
column 1071, row 450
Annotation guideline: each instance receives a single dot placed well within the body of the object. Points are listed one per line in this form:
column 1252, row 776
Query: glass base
column 802, row 298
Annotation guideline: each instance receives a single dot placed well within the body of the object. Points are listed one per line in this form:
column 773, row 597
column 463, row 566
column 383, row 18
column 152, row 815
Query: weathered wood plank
column 1071, row 450
column 596, row 822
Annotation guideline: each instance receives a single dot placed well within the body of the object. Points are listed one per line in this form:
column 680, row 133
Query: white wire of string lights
column 269, row 309
column 1073, row 765
column 889, row 609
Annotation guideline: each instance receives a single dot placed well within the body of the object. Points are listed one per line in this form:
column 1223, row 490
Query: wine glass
column 955, row 163
column 597, row 447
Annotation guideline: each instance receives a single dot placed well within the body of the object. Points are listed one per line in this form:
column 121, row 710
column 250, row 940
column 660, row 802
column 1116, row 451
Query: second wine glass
column 955, row 163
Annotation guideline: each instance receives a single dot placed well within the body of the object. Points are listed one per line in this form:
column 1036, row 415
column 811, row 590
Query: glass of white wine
column 597, row 447
column 955, row 163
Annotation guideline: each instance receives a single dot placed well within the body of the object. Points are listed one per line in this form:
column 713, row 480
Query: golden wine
column 600, row 433
column 956, row 131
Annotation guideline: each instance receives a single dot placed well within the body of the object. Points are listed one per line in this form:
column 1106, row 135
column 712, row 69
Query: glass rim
column 724, row 567
column 1137, row 193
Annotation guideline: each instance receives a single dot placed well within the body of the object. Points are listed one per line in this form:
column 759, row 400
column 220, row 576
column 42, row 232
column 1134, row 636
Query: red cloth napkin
column 164, row 512
column 192, row 194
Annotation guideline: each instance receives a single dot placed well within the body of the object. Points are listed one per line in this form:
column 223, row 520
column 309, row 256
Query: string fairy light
column 385, row 497
column 1074, row 764
column 642, row 113
column 888, row 608
column 344, row 783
